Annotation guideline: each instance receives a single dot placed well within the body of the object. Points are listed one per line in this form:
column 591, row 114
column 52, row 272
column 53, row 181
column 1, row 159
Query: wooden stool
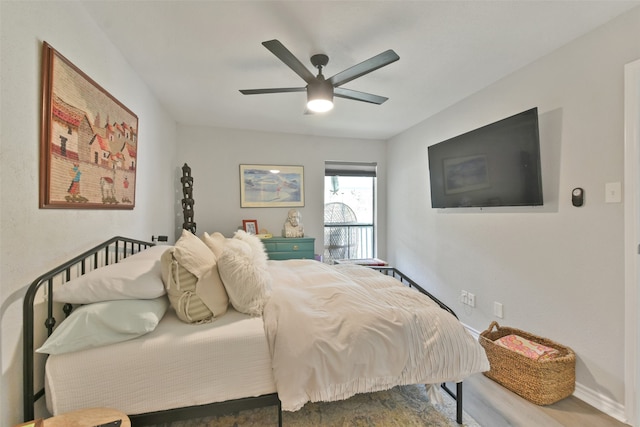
column 88, row 418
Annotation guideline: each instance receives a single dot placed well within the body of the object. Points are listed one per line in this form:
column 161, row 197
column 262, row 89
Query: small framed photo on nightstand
column 250, row 226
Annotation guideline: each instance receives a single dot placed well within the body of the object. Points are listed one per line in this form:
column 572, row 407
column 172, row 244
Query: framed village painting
column 89, row 141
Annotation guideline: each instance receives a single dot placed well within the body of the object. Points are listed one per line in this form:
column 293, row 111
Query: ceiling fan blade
column 289, row 59
column 371, row 64
column 274, row 90
column 355, row 95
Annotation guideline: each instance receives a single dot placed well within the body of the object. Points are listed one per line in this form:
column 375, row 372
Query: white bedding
column 334, row 332
column 180, row 365
column 176, row 365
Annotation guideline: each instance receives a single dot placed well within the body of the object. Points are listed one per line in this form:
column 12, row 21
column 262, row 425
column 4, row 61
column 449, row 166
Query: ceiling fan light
column 320, row 96
column 320, row 105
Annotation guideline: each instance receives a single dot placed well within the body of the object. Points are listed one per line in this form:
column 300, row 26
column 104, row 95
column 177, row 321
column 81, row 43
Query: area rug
column 402, row 406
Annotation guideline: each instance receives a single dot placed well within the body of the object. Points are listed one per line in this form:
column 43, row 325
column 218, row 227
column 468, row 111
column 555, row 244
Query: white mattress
column 226, row 359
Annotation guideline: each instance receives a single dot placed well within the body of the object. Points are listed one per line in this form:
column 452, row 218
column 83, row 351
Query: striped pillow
column 194, row 287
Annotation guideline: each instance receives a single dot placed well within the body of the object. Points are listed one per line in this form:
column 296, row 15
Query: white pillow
column 215, row 242
column 248, row 284
column 257, row 247
column 102, row 323
column 152, row 252
column 137, row 278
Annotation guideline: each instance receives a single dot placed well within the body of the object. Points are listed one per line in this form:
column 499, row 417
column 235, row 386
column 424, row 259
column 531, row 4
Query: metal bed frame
column 112, row 251
column 397, row 274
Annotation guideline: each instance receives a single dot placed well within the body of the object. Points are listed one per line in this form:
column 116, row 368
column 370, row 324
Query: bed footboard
column 109, row 252
column 394, row 272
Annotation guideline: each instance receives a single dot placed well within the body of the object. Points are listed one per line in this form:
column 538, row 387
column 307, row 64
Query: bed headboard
column 109, row 252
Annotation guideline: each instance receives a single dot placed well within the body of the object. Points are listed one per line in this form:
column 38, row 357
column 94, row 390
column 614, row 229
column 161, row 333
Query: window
column 349, row 210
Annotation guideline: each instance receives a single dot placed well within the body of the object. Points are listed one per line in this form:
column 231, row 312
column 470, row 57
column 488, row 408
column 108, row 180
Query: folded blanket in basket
column 527, row 347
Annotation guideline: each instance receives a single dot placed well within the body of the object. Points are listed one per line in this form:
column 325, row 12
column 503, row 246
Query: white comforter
column 334, row 331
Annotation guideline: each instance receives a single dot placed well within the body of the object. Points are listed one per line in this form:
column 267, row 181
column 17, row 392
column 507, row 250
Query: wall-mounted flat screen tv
column 495, row 165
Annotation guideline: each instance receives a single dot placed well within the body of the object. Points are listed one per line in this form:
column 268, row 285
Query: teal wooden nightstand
column 279, row 248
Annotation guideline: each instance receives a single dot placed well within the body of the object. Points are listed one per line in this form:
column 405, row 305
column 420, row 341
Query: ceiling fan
column 320, row 91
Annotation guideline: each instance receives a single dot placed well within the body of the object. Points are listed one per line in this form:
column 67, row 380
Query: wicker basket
column 542, row 382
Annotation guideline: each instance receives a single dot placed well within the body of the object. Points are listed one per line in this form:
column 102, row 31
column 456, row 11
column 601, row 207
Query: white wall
column 34, row 240
column 215, row 155
column 558, row 269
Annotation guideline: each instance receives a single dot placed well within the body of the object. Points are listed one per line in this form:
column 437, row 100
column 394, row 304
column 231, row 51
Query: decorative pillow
column 190, row 273
column 248, row 284
column 215, row 242
column 257, row 247
column 531, row 349
column 102, row 323
column 140, row 277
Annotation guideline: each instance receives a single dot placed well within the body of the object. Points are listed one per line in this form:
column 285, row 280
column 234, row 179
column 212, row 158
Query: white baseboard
column 473, row 332
column 601, row 402
column 597, row 400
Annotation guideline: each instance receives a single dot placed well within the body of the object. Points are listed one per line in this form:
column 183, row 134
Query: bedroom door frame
column 632, row 239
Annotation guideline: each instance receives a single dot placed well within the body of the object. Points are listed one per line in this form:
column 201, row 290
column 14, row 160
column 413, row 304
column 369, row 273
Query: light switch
column 613, row 192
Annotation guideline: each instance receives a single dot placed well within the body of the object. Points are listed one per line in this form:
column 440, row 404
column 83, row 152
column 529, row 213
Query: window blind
column 334, row 168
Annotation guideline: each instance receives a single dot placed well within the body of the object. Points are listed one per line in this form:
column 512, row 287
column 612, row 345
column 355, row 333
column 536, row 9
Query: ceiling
column 196, row 55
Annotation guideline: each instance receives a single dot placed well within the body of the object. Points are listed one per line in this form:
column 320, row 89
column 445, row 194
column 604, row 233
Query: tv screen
column 495, row 165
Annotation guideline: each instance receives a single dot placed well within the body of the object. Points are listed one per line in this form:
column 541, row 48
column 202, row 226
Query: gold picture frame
column 89, row 141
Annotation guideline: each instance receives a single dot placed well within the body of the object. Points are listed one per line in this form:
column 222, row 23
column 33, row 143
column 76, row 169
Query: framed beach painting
column 89, row 141
column 269, row 186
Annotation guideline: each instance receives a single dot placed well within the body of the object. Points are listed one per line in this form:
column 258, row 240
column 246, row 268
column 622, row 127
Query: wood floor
column 492, row 405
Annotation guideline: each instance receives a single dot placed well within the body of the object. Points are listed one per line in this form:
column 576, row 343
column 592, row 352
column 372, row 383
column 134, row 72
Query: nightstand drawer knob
column 295, row 247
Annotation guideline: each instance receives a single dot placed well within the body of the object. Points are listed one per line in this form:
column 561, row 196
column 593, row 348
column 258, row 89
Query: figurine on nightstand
column 293, row 225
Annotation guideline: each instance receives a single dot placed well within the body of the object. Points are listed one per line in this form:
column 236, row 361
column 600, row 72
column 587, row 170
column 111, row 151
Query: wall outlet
column 464, row 297
column 467, row 298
